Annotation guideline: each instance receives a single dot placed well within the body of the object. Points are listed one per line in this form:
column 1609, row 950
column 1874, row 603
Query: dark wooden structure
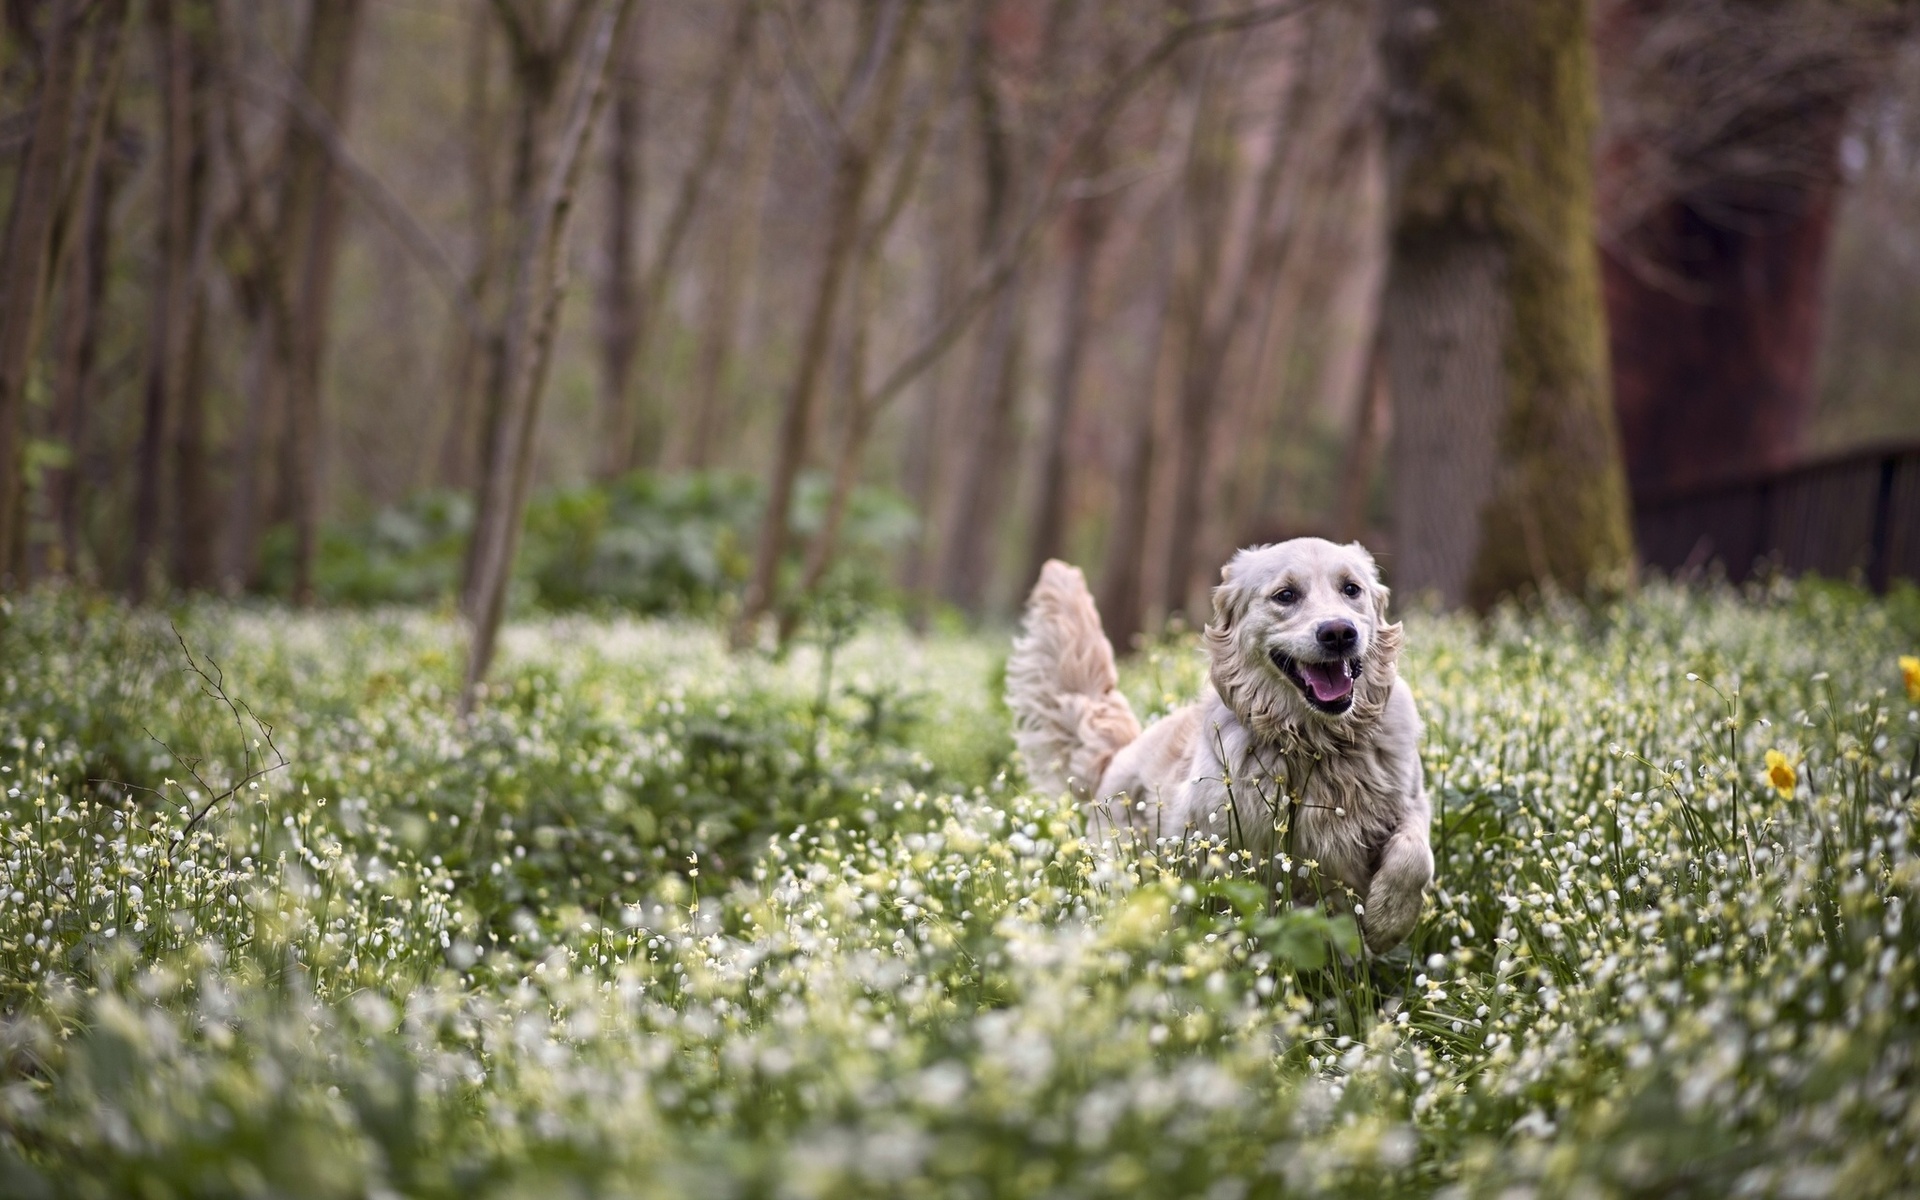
column 1852, row 515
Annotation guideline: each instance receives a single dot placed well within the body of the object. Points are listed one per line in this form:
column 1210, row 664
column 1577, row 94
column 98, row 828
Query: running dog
column 1306, row 727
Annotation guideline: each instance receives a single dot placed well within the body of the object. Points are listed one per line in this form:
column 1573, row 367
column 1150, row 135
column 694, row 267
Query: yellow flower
column 1780, row 773
column 1910, row 672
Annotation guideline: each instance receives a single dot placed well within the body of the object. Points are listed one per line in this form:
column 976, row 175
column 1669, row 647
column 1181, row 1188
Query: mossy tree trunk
column 1506, row 463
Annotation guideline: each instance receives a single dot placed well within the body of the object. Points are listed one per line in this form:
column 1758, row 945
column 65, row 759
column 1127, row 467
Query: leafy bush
column 648, row 543
column 662, row 921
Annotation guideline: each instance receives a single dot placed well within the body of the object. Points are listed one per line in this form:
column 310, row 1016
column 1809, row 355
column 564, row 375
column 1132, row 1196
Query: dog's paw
column 1396, row 893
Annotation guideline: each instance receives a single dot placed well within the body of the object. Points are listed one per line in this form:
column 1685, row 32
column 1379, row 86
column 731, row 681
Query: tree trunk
column 735, row 242
column 1087, row 223
column 82, row 262
column 860, row 138
column 172, row 420
column 619, row 299
column 1506, row 463
column 968, row 540
column 77, row 357
column 535, row 76
column 23, row 273
column 310, row 253
column 1122, row 598
column 643, row 442
column 533, row 316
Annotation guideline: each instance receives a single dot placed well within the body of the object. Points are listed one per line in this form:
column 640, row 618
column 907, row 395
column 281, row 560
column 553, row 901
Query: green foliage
column 662, row 921
column 647, row 543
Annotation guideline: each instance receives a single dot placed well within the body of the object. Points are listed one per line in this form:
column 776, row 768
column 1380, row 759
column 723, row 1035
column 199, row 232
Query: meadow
column 666, row 921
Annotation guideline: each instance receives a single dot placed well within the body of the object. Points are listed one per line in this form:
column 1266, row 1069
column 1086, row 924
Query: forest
column 513, row 513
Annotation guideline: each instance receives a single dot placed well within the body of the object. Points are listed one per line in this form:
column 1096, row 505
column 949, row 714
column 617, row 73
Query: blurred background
column 744, row 305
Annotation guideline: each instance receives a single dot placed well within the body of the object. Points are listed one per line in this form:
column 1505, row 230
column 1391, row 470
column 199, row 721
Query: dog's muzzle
column 1328, row 685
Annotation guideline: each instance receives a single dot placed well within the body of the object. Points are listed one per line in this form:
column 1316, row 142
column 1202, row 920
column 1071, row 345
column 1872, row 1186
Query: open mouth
column 1328, row 686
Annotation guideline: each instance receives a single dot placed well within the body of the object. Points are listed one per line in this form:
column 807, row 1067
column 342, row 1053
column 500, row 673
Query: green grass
column 667, row 922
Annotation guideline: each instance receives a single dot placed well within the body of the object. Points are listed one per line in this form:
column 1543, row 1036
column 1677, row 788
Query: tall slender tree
column 857, row 125
column 173, row 414
column 533, row 311
column 29, row 246
column 630, row 316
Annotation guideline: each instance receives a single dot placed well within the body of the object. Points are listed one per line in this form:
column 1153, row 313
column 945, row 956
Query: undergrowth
column 666, row 921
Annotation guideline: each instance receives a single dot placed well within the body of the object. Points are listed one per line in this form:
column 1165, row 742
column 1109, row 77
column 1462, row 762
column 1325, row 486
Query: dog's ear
column 1229, row 601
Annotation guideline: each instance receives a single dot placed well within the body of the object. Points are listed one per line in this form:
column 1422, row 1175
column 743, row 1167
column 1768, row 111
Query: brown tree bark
column 29, row 244
column 532, row 318
column 541, row 41
column 173, row 420
column 76, row 361
column 734, row 238
column 862, row 121
column 622, row 435
column 1506, row 463
column 1086, row 224
column 1125, row 576
column 311, row 225
column 619, row 292
column 82, row 237
column 968, row 534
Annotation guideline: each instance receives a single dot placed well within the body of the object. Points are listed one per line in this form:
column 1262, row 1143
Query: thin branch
column 727, row 74
column 389, row 208
column 803, row 85
column 1006, row 261
column 513, row 23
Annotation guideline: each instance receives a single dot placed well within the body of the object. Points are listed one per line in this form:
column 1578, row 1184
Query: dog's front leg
column 1399, row 885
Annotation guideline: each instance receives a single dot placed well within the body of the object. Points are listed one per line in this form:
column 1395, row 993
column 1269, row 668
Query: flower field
column 662, row 921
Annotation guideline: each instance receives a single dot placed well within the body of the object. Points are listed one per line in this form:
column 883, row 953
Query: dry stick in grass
column 213, row 685
column 531, row 322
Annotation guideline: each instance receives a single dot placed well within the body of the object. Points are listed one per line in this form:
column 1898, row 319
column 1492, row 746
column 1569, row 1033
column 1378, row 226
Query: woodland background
column 751, row 304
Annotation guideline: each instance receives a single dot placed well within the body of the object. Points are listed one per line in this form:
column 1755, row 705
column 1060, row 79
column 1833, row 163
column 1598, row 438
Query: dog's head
column 1300, row 633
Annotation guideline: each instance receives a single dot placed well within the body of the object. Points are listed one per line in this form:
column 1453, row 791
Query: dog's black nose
column 1337, row 637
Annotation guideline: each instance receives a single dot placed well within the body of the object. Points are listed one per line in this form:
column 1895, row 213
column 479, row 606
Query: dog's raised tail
column 1069, row 718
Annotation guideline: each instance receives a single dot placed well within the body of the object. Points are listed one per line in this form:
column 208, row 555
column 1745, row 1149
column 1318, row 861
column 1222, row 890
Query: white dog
column 1306, row 730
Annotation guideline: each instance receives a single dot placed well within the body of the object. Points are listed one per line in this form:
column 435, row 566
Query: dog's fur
column 1261, row 751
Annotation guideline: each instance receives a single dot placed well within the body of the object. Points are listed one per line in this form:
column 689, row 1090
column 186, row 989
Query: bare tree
column 29, row 246
column 733, row 238
column 533, row 310
column 1084, row 228
column 82, row 236
column 629, row 319
column 855, row 126
column 288, row 210
column 172, row 413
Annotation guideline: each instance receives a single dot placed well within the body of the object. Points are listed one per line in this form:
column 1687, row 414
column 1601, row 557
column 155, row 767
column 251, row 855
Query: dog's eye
column 1351, row 591
column 1285, row 595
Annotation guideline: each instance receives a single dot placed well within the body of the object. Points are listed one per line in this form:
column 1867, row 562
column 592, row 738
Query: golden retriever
column 1306, row 731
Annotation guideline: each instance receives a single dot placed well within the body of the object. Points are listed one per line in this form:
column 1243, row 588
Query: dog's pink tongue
column 1328, row 681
